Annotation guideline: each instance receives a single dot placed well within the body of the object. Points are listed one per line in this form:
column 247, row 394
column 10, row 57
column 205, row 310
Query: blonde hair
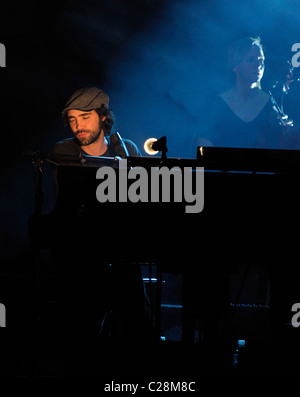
column 239, row 48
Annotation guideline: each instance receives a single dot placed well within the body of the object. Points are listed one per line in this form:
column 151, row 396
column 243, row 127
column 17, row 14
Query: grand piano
column 250, row 215
column 251, row 201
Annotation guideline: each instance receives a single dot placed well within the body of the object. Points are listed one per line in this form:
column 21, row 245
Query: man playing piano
column 91, row 122
column 106, row 298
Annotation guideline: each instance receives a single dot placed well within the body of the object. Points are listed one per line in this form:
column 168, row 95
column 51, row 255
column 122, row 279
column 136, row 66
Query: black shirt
column 71, row 146
column 225, row 129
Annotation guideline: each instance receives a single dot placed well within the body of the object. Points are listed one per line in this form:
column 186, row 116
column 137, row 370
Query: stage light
column 153, row 146
column 148, row 146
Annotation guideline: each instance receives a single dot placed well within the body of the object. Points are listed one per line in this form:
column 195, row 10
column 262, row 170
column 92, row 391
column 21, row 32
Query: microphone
column 119, row 145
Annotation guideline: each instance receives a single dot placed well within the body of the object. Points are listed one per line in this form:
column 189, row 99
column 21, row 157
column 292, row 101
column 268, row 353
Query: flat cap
column 89, row 98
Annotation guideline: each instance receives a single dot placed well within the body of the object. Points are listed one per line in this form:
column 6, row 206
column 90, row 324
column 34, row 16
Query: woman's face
column 251, row 68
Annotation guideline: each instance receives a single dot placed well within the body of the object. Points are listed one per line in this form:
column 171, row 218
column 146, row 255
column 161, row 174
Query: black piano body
column 250, row 210
column 250, row 216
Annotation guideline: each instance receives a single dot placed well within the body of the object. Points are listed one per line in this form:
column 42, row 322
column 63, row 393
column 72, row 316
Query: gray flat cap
column 85, row 99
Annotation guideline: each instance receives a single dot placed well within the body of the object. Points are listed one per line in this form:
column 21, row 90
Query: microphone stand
column 38, row 160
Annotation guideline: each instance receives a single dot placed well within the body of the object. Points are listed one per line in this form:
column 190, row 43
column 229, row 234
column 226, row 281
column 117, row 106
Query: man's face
column 86, row 126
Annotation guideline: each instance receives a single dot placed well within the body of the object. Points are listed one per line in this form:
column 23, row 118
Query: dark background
column 159, row 60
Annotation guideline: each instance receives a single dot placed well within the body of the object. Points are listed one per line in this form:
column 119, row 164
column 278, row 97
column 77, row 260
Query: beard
column 90, row 138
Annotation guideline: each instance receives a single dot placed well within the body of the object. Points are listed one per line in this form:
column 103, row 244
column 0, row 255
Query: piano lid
column 247, row 159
